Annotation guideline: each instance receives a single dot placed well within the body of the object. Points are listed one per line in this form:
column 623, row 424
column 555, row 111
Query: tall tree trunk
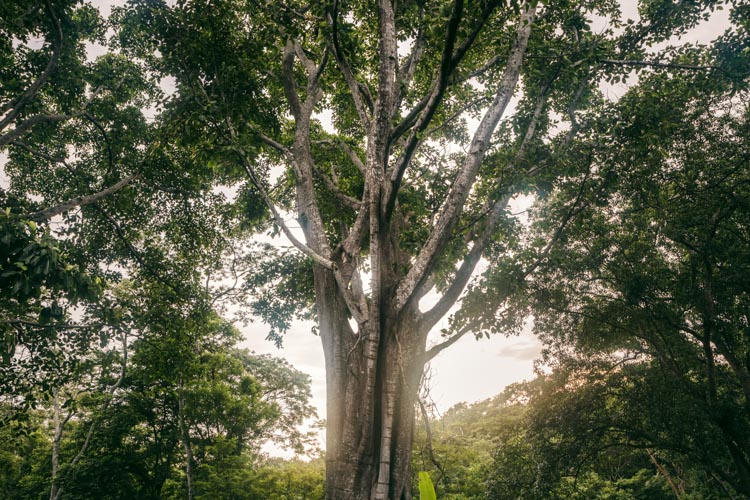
column 373, row 367
column 369, row 432
column 185, row 436
column 58, row 428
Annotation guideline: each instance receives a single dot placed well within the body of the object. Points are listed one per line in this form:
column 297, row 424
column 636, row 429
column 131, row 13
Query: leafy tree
column 643, row 297
column 458, row 449
column 283, row 479
column 77, row 213
column 397, row 185
column 193, row 410
column 599, row 429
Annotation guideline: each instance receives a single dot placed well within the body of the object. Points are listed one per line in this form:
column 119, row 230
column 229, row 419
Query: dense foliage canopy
column 148, row 156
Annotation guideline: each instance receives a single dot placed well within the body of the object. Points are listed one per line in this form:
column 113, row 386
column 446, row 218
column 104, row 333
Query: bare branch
column 274, row 144
column 14, row 107
column 450, row 59
column 355, row 88
column 428, row 432
column 310, row 66
column 495, row 210
column 36, row 324
column 425, row 109
column 463, row 274
column 461, row 110
column 317, row 258
column 80, row 201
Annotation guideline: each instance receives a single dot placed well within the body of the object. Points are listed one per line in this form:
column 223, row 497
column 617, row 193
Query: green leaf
column 426, row 488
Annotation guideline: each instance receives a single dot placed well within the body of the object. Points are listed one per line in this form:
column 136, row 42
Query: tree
column 398, row 186
column 647, row 280
column 457, row 448
column 193, row 409
column 598, row 428
column 76, row 215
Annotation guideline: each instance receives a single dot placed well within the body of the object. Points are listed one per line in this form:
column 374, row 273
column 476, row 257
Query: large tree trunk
column 369, row 429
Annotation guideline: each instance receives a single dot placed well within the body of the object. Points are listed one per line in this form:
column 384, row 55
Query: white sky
column 470, row 370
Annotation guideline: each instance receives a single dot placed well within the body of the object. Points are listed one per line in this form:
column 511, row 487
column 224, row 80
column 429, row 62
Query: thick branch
column 36, row 324
column 40, row 154
column 459, row 192
column 463, row 274
column 435, row 350
column 451, row 295
column 274, row 144
column 290, row 89
column 29, row 122
column 447, row 65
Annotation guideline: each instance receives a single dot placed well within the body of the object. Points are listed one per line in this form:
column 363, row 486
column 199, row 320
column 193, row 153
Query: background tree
column 76, row 143
column 643, row 300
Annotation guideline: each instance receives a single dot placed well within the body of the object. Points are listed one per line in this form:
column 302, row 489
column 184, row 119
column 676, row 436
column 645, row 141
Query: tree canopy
column 396, row 135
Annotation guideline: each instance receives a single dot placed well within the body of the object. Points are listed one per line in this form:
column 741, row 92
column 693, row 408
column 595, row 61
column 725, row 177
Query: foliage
column 597, row 431
column 459, row 450
column 647, row 274
column 128, row 214
column 233, row 403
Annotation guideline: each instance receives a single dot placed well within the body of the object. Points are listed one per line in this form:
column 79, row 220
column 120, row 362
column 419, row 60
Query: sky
column 469, row 371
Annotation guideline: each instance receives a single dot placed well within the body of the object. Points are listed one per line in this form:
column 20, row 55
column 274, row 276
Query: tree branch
column 93, row 425
column 449, row 61
column 453, row 206
column 344, row 198
column 655, row 64
column 354, row 86
column 348, row 150
column 290, row 88
column 437, row 349
column 81, row 201
column 14, row 107
column 317, row 258
column 40, row 154
column 463, row 274
column 408, row 68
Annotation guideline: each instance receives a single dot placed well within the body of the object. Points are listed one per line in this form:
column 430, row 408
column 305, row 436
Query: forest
column 178, row 175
